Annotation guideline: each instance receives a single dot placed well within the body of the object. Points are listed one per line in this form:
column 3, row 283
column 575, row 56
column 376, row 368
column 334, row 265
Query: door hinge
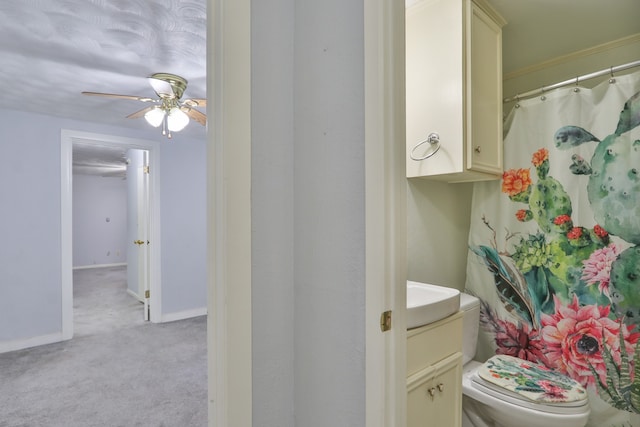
column 145, row 169
column 385, row 321
column 147, row 294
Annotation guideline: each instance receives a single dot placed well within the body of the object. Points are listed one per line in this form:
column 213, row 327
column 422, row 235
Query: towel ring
column 434, row 140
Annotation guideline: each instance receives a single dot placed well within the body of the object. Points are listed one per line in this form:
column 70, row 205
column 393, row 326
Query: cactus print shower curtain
column 554, row 246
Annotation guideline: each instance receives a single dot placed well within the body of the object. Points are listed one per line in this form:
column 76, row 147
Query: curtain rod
column 574, row 80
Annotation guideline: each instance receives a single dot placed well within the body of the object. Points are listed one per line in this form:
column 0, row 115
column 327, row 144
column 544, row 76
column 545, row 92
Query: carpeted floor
column 117, row 371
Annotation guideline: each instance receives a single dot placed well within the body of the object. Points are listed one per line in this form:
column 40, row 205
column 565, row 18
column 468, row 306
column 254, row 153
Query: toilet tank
column 470, row 306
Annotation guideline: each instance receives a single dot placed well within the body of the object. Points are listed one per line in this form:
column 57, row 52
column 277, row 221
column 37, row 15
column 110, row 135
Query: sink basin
column 429, row 303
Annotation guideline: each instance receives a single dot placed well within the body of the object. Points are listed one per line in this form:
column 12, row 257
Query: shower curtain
column 554, row 246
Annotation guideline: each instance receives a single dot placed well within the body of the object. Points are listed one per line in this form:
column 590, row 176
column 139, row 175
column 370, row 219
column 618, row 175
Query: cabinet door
column 484, row 104
column 434, row 90
column 434, row 396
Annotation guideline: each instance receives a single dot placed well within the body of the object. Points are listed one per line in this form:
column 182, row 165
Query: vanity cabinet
column 434, row 374
column 454, row 90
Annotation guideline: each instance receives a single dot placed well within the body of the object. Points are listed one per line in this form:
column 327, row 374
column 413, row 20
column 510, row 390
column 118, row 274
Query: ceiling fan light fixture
column 177, row 119
column 154, row 117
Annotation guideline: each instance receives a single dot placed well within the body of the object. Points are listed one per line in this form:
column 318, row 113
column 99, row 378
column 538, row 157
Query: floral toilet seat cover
column 531, row 380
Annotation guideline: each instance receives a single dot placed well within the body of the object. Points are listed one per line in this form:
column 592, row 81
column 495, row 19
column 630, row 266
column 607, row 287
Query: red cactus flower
column 515, row 181
column 574, row 233
column 599, row 231
column 521, row 215
column 540, row 156
column 561, row 219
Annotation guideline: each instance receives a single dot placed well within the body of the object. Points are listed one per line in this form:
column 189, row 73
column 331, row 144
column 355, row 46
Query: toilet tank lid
column 467, row 302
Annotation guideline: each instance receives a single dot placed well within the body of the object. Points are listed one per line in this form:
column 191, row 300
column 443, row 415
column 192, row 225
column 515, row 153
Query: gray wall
column 308, row 213
column 272, row 178
column 30, row 252
column 97, row 241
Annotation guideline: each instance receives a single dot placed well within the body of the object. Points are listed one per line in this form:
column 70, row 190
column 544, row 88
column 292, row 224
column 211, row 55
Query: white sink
column 429, row 303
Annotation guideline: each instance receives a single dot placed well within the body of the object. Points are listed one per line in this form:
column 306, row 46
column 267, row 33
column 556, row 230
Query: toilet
column 492, row 397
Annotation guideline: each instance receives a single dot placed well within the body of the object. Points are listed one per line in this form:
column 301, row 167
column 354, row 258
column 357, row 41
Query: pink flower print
column 597, row 268
column 519, row 341
column 552, row 391
column 573, row 337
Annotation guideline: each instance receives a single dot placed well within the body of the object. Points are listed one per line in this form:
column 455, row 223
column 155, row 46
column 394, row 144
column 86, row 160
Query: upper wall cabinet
column 454, row 90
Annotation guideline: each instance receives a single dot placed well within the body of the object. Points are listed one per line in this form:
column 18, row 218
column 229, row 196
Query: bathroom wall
column 567, row 67
column 438, row 231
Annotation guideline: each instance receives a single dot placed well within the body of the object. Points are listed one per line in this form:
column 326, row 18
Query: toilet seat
column 502, row 377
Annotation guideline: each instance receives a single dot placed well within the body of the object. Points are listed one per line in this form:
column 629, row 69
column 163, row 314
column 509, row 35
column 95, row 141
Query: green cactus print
column 614, row 184
column 571, row 292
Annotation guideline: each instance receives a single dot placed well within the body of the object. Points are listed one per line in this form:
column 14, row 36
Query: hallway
column 116, row 371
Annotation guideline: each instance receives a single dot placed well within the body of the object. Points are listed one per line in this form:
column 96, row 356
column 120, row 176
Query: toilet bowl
column 492, row 400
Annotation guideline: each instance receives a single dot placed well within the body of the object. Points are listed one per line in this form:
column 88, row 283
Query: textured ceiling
column 52, row 50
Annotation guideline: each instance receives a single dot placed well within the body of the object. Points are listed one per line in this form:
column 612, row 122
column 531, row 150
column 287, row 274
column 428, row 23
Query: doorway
column 150, row 271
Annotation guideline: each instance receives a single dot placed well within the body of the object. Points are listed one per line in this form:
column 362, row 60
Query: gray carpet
column 117, row 371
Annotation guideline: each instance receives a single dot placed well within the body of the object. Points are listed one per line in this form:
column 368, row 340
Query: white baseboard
column 8, row 346
column 116, row 264
column 186, row 314
column 133, row 294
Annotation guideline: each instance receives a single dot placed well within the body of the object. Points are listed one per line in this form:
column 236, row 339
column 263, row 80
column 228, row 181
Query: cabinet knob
column 477, row 149
column 440, row 387
column 432, row 392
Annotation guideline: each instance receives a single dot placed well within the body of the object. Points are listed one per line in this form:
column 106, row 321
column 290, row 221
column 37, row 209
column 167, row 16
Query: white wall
column 99, row 220
column 329, row 246
column 438, row 219
column 576, row 64
column 30, row 242
column 272, row 182
column 308, row 213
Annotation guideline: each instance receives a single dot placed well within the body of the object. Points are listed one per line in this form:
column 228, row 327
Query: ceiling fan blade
column 140, row 113
column 195, row 102
column 195, row 115
column 114, row 95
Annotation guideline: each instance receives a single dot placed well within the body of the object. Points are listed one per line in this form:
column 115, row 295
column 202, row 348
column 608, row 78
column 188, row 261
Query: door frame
column 67, row 139
column 229, row 212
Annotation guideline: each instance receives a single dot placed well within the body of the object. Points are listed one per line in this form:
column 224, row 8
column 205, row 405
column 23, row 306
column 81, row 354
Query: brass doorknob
column 138, row 242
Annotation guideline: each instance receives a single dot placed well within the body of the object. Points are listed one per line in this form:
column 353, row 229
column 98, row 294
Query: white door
column 143, row 232
column 138, row 218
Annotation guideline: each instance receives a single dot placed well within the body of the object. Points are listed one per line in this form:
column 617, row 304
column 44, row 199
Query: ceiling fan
column 168, row 110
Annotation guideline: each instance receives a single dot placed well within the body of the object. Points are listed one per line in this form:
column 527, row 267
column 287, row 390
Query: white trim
column 7, row 346
column 229, row 212
column 573, row 56
column 185, row 314
column 67, row 138
column 135, row 295
column 66, row 240
column 385, row 195
column 86, row 267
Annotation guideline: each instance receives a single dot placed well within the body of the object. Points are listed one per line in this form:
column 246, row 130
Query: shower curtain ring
column 612, row 79
column 517, row 100
column 577, row 89
column 542, row 98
